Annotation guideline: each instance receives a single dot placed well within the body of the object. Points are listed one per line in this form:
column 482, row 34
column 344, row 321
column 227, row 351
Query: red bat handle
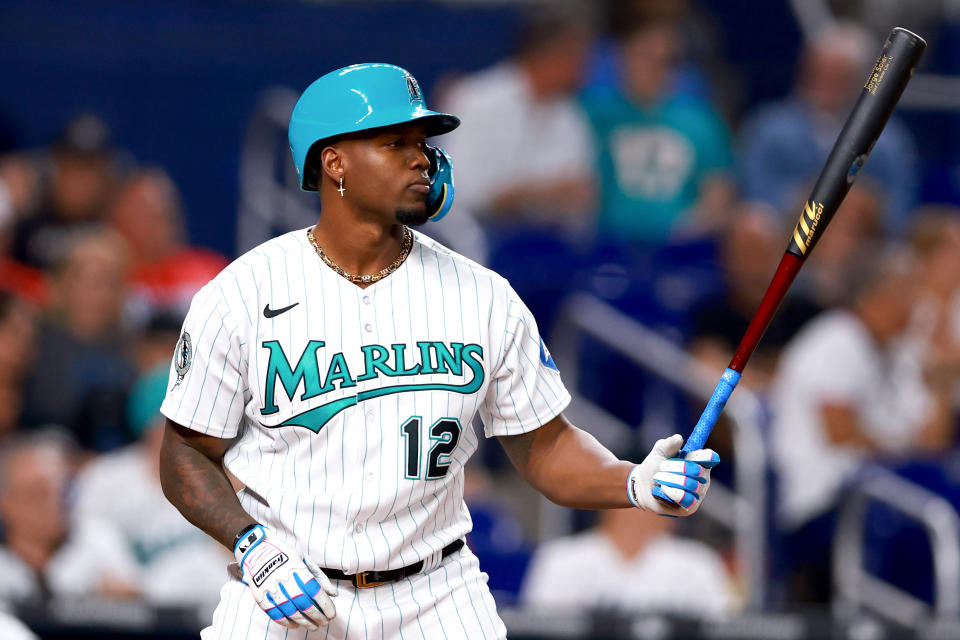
column 786, row 272
column 789, row 266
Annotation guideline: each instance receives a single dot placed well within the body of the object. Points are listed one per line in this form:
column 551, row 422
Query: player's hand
column 680, row 484
column 287, row 585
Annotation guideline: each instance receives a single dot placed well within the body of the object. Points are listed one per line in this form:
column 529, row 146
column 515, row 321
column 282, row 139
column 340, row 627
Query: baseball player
column 335, row 372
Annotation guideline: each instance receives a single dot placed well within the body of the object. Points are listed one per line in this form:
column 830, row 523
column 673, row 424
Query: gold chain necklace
column 366, row 279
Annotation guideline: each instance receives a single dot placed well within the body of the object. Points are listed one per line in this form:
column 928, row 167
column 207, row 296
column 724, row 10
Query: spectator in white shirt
column 45, row 553
column 631, row 561
column 841, row 397
column 523, row 152
column 13, row 629
column 180, row 565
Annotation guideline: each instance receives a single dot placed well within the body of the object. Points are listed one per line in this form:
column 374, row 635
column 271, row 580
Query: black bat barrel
column 886, row 82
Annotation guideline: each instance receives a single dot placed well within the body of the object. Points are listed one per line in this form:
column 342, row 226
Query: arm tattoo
column 198, row 487
column 518, row 448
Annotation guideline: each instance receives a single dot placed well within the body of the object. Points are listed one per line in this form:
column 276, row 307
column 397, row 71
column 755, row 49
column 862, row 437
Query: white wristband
column 632, row 487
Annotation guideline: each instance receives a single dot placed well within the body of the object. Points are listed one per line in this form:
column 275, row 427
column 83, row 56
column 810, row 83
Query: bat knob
column 901, row 32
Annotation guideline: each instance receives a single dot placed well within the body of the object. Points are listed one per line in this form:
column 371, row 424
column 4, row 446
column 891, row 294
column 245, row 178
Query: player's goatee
column 412, row 217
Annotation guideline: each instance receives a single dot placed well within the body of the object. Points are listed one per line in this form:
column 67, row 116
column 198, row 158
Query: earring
column 341, row 189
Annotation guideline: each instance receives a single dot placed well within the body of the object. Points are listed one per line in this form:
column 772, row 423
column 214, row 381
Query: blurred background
column 634, row 168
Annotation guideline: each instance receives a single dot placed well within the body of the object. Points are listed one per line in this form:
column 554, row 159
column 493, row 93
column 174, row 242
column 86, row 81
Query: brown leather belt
column 367, row 579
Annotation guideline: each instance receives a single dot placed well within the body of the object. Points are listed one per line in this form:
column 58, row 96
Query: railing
column 741, row 509
column 855, row 588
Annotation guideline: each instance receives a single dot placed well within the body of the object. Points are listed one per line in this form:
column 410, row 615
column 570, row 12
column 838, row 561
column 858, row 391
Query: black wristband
column 247, row 529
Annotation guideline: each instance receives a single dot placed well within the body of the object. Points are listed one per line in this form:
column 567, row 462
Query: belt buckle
column 362, row 581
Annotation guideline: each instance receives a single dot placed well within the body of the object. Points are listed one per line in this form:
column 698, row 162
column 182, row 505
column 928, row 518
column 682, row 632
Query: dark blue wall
column 177, row 79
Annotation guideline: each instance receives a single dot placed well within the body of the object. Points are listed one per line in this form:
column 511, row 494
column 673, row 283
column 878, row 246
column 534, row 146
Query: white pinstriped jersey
column 352, row 407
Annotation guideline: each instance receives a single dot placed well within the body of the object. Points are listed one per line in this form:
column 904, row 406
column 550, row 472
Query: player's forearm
column 198, row 487
column 842, row 427
column 570, row 467
column 939, row 431
column 583, row 474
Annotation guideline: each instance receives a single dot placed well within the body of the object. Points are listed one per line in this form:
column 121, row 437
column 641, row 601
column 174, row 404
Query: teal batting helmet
column 357, row 98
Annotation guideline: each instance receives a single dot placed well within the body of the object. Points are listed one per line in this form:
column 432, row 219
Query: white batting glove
column 680, row 483
column 287, row 585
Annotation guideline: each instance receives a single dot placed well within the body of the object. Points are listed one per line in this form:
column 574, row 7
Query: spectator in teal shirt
column 664, row 158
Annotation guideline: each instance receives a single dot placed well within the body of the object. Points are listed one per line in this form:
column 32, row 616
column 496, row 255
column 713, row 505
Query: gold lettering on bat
column 803, row 233
column 803, row 222
column 879, row 71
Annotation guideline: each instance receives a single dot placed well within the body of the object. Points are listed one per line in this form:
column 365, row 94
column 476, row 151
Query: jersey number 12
column 444, row 433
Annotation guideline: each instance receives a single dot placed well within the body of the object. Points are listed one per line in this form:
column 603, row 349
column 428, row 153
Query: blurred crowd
column 96, row 276
column 622, row 155
column 602, row 150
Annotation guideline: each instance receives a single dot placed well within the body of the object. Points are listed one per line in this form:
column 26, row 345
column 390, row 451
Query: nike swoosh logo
column 273, row 313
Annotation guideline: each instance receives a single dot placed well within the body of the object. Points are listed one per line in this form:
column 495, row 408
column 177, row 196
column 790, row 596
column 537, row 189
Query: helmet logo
column 413, row 89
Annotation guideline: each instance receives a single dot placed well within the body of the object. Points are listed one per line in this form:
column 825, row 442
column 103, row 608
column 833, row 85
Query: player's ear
column 332, row 163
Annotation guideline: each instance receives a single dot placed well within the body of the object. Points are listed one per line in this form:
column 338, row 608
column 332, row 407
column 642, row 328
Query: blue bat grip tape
column 698, row 438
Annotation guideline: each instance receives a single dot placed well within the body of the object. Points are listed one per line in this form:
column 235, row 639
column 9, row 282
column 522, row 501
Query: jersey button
column 368, row 328
column 370, row 416
column 370, row 477
column 358, row 528
column 366, row 299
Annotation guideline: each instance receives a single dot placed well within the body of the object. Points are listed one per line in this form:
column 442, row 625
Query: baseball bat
column 886, row 82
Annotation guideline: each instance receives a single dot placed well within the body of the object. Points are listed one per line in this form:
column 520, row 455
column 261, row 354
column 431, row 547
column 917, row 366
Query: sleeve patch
column 182, row 357
column 546, row 359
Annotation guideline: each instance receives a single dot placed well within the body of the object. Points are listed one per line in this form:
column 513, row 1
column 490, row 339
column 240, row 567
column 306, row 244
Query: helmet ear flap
column 310, row 181
column 440, row 197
